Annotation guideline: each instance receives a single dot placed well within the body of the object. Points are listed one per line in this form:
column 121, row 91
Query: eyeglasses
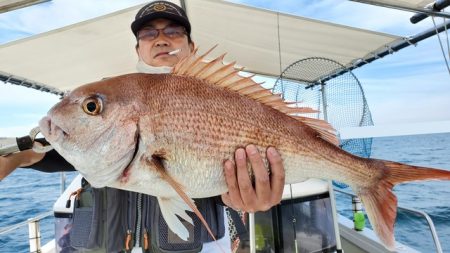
column 150, row 33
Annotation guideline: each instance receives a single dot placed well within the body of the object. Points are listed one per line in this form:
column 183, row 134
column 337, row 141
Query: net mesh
column 340, row 100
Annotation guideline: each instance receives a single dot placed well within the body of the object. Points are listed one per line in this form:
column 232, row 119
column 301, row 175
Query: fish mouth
column 52, row 131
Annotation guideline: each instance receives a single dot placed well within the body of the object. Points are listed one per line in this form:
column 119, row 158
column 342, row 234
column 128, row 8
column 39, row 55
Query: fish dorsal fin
column 227, row 76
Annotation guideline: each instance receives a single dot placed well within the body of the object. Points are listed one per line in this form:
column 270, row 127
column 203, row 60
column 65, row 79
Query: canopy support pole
column 17, row 80
column 429, row 12
column 438, row 5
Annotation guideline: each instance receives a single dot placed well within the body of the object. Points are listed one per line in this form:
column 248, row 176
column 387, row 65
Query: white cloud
column 23, row 106
column 17, row 95
column 396, row 130
column 410, row 109
column 16, row 131
column 347, row 13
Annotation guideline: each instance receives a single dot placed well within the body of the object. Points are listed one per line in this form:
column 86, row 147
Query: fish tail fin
column 400, row 173
column 381, row 208
column 381, row 203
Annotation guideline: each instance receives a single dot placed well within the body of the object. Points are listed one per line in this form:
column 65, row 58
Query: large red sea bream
column 167, row 135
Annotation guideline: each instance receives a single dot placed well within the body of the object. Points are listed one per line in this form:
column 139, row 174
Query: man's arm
column 21, row 159
column 268, row 189
column 47, row 162
column 52, row 162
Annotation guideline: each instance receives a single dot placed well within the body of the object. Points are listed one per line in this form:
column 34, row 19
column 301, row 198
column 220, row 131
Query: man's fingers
column 262, row 180
column 227, row 201
column 277, row 174
column 234, row 194
column 248, row 195
column 268, row 187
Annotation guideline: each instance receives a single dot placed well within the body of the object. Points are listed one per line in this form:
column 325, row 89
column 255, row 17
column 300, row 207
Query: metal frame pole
column 330, row 183
column 17, row 80
column 394, row 48
column 34, row 236
column 429, row 12
column 438, row 5
column 251, row 222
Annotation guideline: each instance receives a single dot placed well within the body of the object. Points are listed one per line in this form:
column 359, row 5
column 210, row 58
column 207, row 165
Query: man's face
column 154, row 51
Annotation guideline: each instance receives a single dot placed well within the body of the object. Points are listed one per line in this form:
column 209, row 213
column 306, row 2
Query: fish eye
column 92, row 106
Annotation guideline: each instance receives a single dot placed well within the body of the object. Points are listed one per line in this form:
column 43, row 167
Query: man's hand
column 268, row 188
column 25, row 158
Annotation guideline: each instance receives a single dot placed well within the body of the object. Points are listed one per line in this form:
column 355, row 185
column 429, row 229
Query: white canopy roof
column 263, row 41
column 8, row 5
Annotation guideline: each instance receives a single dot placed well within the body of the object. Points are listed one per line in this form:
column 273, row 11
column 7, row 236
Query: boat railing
column 430, row 223
column 34, row 231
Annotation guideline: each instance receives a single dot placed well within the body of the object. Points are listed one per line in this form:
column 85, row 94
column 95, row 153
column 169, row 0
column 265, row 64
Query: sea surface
column 27, row 193
column 432, row 197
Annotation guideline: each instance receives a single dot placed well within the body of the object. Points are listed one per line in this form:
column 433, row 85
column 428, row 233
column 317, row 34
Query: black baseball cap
column 160, row 9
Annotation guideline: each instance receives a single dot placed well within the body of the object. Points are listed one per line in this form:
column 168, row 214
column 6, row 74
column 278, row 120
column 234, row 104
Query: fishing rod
column 13, row 145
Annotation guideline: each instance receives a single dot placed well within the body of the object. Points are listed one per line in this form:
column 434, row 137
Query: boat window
column 305, row 223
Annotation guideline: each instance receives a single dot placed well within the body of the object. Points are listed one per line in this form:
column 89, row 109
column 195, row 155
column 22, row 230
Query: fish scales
column 202, row 120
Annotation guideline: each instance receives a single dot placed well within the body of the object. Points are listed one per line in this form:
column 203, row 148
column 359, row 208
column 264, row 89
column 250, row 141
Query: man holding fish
column 162, row 30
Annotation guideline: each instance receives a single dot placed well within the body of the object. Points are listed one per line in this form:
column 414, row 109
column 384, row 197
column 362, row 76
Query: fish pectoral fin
column 156, row 163
column 170, row 208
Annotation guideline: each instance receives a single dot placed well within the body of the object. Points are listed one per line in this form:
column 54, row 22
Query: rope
column 446, row 35
column 408, row 40
column 279, row 41
column 440, row 43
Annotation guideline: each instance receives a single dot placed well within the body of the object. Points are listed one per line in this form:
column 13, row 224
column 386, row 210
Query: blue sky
column 410, row 86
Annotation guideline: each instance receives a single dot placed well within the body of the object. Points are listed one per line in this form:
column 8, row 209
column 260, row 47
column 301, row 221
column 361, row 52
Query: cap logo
column 159, row 7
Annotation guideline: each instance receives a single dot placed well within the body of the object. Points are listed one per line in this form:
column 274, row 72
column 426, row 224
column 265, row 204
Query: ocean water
column 432, row 197
column 27, row 193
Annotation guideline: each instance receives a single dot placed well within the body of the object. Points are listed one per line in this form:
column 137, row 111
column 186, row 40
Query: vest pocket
column 214, row 216
column 87, row 223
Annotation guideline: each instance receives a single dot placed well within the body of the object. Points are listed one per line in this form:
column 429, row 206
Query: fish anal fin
column 216, row 73
column 380, row 204
column 156, row 162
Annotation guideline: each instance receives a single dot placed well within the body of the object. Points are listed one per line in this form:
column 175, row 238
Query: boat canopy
column 9, row 5
column 263, row 41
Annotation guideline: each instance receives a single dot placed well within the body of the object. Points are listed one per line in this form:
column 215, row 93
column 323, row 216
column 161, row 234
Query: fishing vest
column 113, row 220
